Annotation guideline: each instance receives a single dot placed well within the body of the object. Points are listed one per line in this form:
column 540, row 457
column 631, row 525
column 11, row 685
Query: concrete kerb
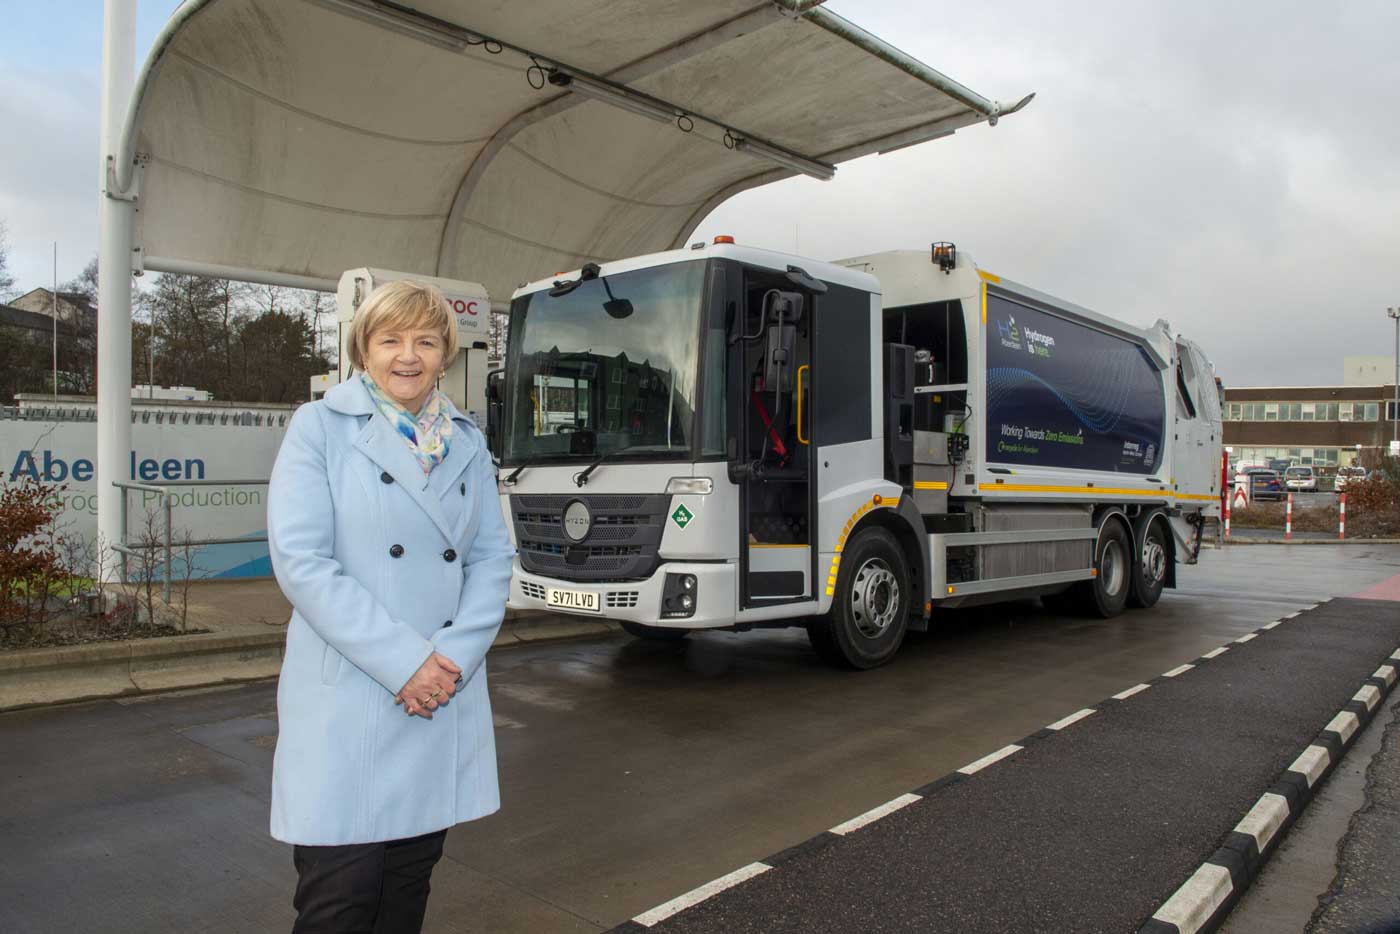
column 1213, row 890
column 34, row 677
column 1231, row 542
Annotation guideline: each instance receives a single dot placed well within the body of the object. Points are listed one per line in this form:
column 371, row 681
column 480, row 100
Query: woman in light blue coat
column 387, row 538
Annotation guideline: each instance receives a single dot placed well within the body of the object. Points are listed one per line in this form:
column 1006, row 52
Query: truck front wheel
column 1107, row 593
column 870, row 610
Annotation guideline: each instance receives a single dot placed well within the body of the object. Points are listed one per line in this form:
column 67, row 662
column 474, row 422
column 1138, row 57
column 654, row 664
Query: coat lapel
column 461, row 451
column 381, row 443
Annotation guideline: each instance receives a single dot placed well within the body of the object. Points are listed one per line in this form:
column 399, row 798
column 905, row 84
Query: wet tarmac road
column 631, row 772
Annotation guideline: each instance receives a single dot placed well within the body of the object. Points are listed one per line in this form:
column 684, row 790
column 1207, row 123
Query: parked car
column 1347, row 475
column 1300, row 480
column 1264, row 484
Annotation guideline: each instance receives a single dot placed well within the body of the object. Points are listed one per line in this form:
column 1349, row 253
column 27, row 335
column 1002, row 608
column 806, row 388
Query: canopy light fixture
column 610, row 95
column 788, row 160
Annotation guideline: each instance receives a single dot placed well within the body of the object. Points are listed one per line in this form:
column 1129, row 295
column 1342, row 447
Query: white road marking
column 1245, row 638
column 1124, row 695
column 1344, row 724
column 1215, row 653
column 696, row 896
column 985, row 761
column 1271, row 625
column 874, row 814
column 1071, row 719
column 1178, row 670
column 1193, row 904
column 1368, row 695
column 1312, row 763
column 1265, row 818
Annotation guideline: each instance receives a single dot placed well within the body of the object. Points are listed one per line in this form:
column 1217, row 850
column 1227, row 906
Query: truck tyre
column 657, row 633
column 1107, row 593
column 1150, row 568
column 870, row 610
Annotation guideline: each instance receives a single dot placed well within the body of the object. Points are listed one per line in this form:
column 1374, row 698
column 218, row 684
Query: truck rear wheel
column 870, row 610
column 1107, row 593
column 1150, row 568
column 658, row 633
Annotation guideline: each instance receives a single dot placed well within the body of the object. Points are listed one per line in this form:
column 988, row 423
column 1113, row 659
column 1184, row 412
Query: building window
column 1390, row 411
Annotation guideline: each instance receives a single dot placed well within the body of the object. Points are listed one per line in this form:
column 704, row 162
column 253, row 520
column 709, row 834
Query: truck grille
column 622, row 542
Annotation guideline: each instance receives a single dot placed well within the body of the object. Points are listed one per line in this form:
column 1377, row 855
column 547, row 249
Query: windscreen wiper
column 510, row 479
column 581, row 478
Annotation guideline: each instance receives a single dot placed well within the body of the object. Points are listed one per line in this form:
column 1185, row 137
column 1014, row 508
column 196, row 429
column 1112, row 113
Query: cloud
column 1229, row 168
column 49, row 172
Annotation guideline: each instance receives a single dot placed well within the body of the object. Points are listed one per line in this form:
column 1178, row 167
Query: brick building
column 1320, row 426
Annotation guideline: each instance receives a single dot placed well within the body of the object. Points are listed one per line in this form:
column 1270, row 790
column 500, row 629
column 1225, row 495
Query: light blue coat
column 350, row 766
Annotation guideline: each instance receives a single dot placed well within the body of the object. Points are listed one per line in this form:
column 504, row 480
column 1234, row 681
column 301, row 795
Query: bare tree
column 189, row 573
column 7, row 281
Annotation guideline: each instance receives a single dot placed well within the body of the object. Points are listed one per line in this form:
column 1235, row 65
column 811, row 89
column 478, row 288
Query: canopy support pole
column 116, row 229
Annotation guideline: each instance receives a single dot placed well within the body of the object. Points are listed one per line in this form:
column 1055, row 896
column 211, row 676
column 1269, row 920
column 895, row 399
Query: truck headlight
column 678, row 596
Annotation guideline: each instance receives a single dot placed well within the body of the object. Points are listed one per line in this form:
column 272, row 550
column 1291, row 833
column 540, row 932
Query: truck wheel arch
column 906, row 524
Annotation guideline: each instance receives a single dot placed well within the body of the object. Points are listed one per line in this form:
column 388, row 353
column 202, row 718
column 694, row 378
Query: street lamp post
column 1395, row 423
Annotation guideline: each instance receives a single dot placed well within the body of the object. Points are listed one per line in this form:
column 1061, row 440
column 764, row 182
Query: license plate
column 586, row 600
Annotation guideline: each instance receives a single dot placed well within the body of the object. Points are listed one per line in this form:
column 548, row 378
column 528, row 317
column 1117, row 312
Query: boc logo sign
column 470, row 312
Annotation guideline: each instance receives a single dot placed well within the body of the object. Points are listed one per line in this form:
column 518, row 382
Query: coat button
column 386, row 478
column 464, row 489
column 449, row 555
column 396, row 551
column 447, row 625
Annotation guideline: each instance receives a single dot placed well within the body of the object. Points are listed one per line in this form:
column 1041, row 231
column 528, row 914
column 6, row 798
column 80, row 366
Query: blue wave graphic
column 1098, row 404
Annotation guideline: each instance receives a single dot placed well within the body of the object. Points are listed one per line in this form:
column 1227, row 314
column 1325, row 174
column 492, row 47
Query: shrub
column 30, row 564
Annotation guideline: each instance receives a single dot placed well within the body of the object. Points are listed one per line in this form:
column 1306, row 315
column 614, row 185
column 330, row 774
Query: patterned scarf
column 428, row 434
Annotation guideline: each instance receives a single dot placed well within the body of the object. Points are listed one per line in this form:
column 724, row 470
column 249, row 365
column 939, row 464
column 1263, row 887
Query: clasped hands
column 431, row 685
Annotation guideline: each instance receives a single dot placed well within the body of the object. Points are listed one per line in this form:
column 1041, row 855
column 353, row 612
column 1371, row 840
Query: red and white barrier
column 1288, row 520
column 1228, row 498
column 1342, row 522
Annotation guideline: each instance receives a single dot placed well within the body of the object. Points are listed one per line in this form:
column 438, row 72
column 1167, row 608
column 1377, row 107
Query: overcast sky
column 1234, row 168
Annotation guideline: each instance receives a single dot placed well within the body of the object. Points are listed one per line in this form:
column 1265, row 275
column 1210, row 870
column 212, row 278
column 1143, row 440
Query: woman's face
column 405, row 364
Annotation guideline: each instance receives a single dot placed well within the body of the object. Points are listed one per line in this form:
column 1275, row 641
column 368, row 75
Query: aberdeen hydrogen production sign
column 63, row 453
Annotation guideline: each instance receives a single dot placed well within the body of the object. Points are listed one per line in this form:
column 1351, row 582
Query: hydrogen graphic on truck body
column 1063, row 394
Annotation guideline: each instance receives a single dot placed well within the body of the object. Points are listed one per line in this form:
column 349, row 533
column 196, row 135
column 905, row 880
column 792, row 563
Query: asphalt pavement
column 631, row 772
column 1085, row 826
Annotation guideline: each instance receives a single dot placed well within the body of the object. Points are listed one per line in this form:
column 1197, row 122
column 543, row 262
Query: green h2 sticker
column 682, row 516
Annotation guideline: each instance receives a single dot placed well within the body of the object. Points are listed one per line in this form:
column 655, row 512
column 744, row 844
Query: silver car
column 1300, row 480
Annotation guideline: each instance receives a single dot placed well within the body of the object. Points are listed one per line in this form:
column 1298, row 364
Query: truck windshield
column 610, row 365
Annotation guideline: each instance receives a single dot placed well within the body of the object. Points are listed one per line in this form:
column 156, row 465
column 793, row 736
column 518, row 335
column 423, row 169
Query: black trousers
column 365, row 888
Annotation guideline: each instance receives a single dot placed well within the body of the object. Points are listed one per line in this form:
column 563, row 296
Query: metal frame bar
column 124, row 547
column 1000, row 584
column 185, row 267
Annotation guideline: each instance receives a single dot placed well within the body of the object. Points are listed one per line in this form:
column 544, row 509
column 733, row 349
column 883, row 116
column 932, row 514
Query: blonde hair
column 402, row 305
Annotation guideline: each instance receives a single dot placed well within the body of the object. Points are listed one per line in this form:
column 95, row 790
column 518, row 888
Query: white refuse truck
column 729, row 437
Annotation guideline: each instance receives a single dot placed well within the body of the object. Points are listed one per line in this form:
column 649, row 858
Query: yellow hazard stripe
column 1088, row 490
column 989, row 277
column 930, row 485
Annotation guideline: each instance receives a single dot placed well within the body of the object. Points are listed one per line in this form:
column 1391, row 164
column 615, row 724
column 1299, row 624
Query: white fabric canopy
column 306, row 137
